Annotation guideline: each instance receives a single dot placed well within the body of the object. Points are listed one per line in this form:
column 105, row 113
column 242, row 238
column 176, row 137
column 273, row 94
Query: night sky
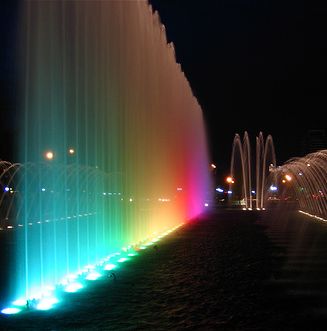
column 8, row 77
column 253, row 65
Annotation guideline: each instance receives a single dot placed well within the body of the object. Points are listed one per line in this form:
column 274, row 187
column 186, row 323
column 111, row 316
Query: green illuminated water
column 113, row 145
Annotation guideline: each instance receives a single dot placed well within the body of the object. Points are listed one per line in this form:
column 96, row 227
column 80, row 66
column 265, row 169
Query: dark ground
column 229, row 270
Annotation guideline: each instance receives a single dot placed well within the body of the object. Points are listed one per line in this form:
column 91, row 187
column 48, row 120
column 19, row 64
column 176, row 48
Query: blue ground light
column 75, row 282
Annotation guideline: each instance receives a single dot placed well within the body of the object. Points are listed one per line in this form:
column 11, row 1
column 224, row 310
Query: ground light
column 10, row 310
column 313, row 216
column 71, row 283
column 73, row 287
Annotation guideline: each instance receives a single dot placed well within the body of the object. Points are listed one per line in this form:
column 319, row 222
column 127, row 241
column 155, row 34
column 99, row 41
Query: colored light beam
column 101, row 77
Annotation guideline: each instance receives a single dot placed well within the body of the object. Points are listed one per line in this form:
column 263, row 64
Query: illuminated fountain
column 241, row 170
column 113, row 148
column 265, row 164
column 304, row 180
column 243, row 150
column 8, row 196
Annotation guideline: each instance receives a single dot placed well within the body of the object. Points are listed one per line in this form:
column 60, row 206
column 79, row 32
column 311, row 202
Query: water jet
column 112, row 151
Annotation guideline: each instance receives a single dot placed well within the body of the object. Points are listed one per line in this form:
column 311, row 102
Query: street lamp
column 288, row 178
column 230, row 180
column 49, row 155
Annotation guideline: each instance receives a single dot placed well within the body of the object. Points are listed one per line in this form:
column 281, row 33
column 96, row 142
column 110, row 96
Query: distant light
column 272, row 188
column 229, row 192
column 253, row 192
column 49, row 155
column 288, row 178
column 230, row 180
column 71, row 151
column 43, row 189
column 10, row 310
column 179, row 189
column 300, row 173
column 130, row 200
column 206, row 205
column 7, row 189
column 213, row 166
column 218, row 189
column 308, row 165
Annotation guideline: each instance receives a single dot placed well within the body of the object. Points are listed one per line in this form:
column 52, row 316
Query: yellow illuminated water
column 113, row 145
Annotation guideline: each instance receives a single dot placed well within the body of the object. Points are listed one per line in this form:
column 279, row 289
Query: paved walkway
column 298, row 283
column 228, row 270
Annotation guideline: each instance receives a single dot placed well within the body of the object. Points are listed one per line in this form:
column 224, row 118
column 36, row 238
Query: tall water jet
column 265, row 163
column 243, row 180
column 113, row 146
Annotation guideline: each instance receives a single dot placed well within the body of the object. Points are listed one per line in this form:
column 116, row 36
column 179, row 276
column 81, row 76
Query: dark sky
column 8, row 79
column 255, row 65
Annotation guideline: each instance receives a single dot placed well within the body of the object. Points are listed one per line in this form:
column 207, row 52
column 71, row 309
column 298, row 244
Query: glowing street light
column 230, row 180
column 273, row 188
column 49, row 155
column 288, row 178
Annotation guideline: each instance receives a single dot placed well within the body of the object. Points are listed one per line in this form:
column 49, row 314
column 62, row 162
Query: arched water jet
column 306, row 179
column 247, row 170
column 264, row 165
column 244, row 154
column 265, row 152
column 260, row 147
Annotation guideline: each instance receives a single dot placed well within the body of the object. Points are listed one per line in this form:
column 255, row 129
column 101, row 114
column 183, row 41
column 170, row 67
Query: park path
column 298, row 282
column 227, row 270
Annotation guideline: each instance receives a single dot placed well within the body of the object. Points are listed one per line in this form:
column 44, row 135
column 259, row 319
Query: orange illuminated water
column 113, row 146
